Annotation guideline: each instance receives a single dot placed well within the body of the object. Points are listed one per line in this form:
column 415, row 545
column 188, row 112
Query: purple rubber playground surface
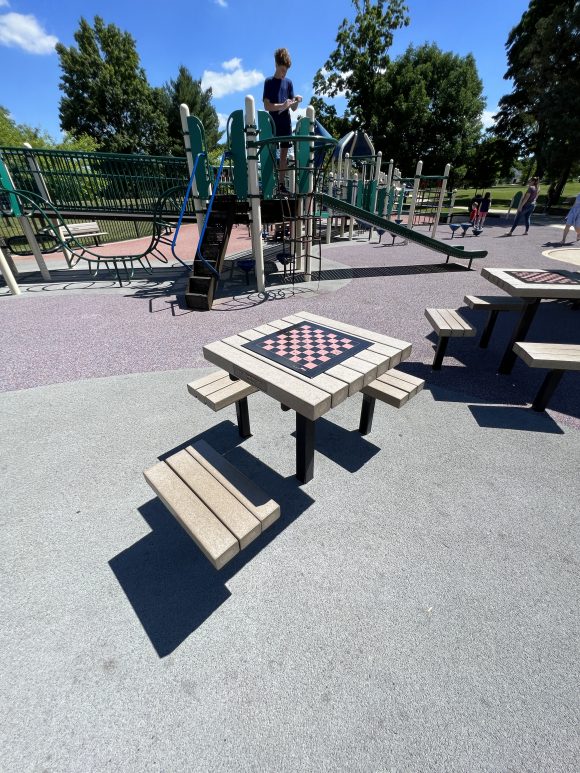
column 73, row 330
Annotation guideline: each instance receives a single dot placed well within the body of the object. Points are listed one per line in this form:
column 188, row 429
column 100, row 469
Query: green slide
column 341, row 207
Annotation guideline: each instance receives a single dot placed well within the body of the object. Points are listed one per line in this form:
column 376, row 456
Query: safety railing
column 83, row 182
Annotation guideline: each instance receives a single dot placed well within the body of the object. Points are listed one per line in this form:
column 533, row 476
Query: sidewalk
column 414, row 608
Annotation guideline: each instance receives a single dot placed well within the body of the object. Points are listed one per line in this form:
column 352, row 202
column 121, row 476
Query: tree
column 186, row 90
column 334, row 124
column 106, row 93
column 430, row 108
column 541, row 112
column 493, row 159
column 361, row 56
column 14, row 135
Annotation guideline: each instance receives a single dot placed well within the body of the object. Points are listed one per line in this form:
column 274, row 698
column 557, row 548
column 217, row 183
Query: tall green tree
column 541, row 112
column 106, row 93
column 430, row 105
column 360, row 56
column 493, row 159
column 337, row 126
column 184, row 89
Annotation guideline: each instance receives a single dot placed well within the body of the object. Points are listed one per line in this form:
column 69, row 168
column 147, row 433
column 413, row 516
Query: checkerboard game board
column 308, row 348
column 543, row 277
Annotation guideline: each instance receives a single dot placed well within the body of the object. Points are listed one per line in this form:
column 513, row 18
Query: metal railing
column 83, row 182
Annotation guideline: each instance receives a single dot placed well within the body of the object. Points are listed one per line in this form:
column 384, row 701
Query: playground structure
column 333, row 180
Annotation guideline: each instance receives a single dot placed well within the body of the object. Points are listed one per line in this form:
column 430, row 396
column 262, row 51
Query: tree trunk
column 557, row 186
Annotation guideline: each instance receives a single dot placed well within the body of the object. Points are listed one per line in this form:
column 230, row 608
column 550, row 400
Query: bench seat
column 80, row 230
column 221, row 509
column 447, row 323
column 557, row 357
column 218, row 390
column 394, row 388
column 493, row 304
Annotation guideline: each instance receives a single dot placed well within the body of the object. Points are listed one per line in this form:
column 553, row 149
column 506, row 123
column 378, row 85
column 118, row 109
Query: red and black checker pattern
column 308, row 348
column 544, row 277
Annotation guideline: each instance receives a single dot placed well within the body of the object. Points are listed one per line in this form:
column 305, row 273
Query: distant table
column 309, row 364
column 532, row 284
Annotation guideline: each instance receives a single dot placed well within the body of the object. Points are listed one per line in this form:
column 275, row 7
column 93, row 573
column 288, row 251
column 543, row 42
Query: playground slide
column 341, row 207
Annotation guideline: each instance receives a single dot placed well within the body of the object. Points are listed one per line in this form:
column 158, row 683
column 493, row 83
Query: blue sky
column 230, row 43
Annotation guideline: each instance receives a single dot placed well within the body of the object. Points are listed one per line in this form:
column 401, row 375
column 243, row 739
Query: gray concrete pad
column 414, row 609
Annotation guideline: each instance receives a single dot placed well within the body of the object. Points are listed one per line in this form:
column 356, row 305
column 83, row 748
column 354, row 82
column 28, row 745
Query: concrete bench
column 492, row 304
column 447, row 323
column 557, row 357
column 219, row 507
column 218, row 390
column 394, row 388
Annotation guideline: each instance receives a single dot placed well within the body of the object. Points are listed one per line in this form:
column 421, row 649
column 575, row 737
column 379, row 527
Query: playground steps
column 202, row 283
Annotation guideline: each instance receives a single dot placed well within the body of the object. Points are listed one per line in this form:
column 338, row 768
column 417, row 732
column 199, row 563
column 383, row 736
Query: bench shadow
column 170, row 584
column 513, row 417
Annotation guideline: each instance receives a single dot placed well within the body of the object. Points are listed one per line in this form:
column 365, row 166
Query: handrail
column 210, row 268
column 183, row 208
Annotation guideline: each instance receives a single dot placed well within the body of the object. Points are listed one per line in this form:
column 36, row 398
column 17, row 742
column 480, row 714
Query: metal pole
column 310, row 198
column 254, row 192
column 415, row 194
column 36, row 173
column 441, row 197
column 7, row 273
column 31, row 239
column 198, row 204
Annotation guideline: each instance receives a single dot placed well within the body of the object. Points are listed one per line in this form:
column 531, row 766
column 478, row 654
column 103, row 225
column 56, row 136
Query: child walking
column 483, row 210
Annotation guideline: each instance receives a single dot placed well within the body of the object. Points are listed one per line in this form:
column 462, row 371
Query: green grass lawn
column 502, row 195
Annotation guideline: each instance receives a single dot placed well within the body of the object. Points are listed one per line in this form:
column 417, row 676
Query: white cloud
column 23, row 31
column 4, row 3
column 221, row 3
column 233, row 80
column 232, row 64
column 487, row 118
column 223, row 119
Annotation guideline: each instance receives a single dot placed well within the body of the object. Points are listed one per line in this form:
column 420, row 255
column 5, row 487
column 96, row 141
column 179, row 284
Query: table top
column 311, row 396
column 535, row 282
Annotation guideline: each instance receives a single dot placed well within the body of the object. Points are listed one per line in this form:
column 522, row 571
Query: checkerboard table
column 309, row 364
column 533, row 285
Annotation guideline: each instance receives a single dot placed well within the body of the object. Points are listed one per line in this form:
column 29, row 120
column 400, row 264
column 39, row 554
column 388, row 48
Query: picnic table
column 309, row 364
column 532, row 285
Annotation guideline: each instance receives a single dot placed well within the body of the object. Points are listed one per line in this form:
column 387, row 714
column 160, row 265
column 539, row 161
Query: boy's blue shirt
column 278, row 90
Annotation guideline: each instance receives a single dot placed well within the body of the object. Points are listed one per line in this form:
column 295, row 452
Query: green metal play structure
column 331, row 181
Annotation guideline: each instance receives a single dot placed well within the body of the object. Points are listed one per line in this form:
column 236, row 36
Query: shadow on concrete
column 510, row 417
column 171, row 586
column 368, row 272
column 346, row 448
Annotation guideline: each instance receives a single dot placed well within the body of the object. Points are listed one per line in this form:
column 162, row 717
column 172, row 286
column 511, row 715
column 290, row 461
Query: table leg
column 547, row 390
column 305, row 434
column 243, row 416
column 366, row 414
column 519, row 334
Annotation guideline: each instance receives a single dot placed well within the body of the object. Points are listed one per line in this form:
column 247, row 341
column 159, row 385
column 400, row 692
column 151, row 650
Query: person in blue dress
column 573, row 221
column 279, row 99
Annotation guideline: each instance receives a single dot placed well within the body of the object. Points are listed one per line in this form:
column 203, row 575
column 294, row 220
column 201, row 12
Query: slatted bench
column 218, row 390
column 219, row 507
column 557, row 357
column 81, row 231
column 447, row 323
column 394, row 388
column 492, row 304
